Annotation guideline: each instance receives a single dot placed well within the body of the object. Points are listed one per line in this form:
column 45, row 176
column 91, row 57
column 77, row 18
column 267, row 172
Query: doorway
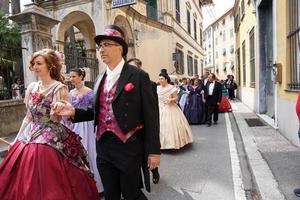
column 266, row 59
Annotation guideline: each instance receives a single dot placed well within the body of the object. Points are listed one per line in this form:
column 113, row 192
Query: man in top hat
column 127, row 119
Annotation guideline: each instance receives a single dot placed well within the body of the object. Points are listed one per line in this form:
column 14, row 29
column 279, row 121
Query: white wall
column 288, row 120
column 248, row 98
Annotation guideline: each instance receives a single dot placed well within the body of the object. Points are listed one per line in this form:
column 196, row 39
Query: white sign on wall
column 120, row 3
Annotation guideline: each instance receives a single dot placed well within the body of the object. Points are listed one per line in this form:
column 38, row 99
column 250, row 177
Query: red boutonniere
column 128, row 87
column 36, row 97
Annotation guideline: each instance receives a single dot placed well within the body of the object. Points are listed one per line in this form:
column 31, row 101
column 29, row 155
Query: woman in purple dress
column 194, row 109
column 82, row 97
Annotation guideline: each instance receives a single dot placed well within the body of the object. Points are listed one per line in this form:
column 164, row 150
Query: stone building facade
column 162, row 33
column 219, row 46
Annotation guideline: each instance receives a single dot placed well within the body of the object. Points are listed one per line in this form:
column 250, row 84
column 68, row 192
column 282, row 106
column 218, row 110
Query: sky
column 212, row 13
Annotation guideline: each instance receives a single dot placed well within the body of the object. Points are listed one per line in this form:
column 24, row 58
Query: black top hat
column 115, row 33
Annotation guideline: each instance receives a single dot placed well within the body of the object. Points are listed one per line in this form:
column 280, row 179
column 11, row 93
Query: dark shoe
column 216, row 122
column 297, row 192
column 155, row 176
column 208, row 125
column 101, row 195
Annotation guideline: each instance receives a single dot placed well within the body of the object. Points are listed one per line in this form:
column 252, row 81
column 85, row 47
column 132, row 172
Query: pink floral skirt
column 40, row 172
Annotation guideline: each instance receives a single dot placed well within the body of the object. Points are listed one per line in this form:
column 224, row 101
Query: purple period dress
column 86, row 131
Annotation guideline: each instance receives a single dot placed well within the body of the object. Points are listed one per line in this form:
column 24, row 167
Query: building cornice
column 222, row 17
column 236, row 6
column 142, row 18
column 198, row 9
column 189, row 43
column 58, row 4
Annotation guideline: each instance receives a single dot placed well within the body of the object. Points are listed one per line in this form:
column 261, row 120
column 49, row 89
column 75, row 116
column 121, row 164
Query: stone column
column 36, row 28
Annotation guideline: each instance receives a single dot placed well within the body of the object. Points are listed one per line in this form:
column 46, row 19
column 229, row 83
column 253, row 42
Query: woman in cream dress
column 175, row 131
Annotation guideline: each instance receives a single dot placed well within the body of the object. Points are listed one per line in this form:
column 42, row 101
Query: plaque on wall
column 121, row 3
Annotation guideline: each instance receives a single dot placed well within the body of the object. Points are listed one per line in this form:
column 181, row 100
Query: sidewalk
column 274, row 161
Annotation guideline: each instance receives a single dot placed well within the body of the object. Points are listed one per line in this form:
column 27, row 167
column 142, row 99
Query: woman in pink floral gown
column 47, row 160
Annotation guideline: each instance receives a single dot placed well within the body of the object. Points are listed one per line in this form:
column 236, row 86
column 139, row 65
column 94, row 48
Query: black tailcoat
column 131, row 108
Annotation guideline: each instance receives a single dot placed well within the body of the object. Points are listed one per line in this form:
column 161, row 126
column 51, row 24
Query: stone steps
column 4, row 147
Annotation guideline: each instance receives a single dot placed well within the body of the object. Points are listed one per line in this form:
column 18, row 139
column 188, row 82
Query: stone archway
column 83, row 23
column 75, row 37
column 123, row 23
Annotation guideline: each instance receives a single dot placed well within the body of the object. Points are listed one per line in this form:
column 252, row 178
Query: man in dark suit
column 213, row 96
column 127, row 119
column 138, row 63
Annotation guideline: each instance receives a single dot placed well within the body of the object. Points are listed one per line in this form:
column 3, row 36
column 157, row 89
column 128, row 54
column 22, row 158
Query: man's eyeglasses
column 105, row 45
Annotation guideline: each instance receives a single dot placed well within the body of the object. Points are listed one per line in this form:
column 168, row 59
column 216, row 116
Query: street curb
column 267, row 184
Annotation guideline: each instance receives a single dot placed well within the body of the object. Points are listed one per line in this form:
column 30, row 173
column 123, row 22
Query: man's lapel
column 97, row 86
column 215, row 87
column 124, row 76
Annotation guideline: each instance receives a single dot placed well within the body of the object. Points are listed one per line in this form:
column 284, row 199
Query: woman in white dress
column 82, row 97
column 175, row 131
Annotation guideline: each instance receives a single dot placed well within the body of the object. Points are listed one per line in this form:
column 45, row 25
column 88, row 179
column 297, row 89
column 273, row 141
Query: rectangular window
column 216, row 41
column 179, row 64
column 231, row 33
column 201, row 39
column 252, row 58
column 152, row 9
column 190, row 65
column 232, row 65
column 217, row 55
column 238, row 65
column 224, row 36
column 195, row 66
column 188, row 16
column 294, row 44
column 237, row 20
column 242, row 9
column 201, row 67
column 244, row 62
column 195, row 29
column 224, row 52
column 177, row 2
column 225, row 66
column 231, row 49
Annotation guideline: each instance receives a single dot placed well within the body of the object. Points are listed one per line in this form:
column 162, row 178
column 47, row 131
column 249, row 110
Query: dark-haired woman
column 194, row 110
column 82, row 97
column 175, row 131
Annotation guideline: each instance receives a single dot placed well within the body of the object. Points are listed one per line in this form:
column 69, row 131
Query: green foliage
column 10, row 39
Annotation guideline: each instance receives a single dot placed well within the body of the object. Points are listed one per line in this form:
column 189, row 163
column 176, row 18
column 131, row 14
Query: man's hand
column 153, row 161
column 63, row 108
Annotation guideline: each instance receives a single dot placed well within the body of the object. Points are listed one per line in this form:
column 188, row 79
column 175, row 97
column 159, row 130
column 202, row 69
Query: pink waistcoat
column 106, row 117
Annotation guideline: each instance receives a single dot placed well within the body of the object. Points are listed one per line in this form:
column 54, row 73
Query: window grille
column 252, row 58
column 244, row 62
column 294, row 44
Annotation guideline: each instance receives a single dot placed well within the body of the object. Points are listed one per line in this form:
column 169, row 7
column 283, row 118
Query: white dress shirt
column 113, row 75
column 205, row 81
column 211, row 88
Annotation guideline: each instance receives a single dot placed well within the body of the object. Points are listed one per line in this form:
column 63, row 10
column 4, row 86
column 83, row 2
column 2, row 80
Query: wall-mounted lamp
column 136, row 34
